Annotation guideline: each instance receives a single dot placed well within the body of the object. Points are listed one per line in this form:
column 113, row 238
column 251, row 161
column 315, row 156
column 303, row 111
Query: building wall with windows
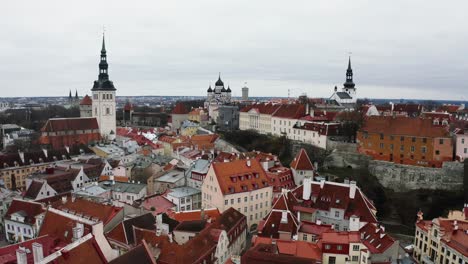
column 461, row 146
column 405, row 140
column 254, row 202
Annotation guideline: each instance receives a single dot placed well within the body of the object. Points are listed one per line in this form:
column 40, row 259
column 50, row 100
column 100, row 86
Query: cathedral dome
column 210, row 90
column 219, row 82
column 228, row 89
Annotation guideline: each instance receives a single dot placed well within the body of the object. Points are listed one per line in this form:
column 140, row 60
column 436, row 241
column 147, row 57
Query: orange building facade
column 405, row 140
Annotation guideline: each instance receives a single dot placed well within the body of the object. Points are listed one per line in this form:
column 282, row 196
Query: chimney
column 73, row 198
column 318, row 222
column 64, row 199
column 248, row 163
column 170, row 238
column 38, row 253
column 322, row 183
column 284, row 217
column 306, row 188
column 21, row 257
column 352, row 189
column 346, row 181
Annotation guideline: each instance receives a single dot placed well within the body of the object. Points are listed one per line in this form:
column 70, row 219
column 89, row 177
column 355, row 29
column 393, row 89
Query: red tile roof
column 67, row 124
column 375, row 238
column 8, row 253
column 195, row 215
column 28, row 209
column 399, row 125
column 84, row 207
column 302, row 161
column 292, row 111
column 60, row 227
column 314, row 228
column 262, row 108
column 180, row 109
column 336, row 195
column 87, row 252
column 301, row 249
column 86, row 100
column 344, row 237
column 268, row 254
column 281, row 178
column 272, row 224
column 160, row 203
column 237, row 176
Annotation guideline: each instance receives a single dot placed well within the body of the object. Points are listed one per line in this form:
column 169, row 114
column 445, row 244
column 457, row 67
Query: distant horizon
column 397, row 100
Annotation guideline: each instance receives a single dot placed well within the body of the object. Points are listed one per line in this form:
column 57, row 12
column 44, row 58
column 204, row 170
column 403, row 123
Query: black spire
column 349, row 76
column 103, row 82
column 69, row 96
column 209, row 89
column 76, row 94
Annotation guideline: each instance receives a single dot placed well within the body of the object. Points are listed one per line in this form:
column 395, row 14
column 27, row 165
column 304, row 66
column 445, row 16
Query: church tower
column 103, row 102
column 349, row 84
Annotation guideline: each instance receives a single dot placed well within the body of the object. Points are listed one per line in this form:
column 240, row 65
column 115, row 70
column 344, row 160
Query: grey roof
column 171, row 176
column 94, row 190
column 183, row 192
column 201, row 166
column 343, row 95
column 122, row 186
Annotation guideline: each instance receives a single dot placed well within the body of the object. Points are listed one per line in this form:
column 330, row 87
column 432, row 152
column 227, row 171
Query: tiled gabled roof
column 33, row 189
column 67, row 124
column 292, row 111
column 375, row 238
column 123, row 232
column 237, row 176
column 27, row 208
column 302, row 161
column 61, row 227
column 400, row 125
column 84, row 207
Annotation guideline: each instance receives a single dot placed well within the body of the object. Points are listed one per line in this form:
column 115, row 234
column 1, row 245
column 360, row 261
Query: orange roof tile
column 237, row 176
column 302, row 161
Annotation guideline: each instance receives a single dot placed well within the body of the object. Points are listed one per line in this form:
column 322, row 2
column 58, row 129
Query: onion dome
column 228, row 89
column 219, row 82
column 209, row 89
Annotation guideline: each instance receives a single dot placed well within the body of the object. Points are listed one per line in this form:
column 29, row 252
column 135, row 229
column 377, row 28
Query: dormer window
column 233, row 179
column 249, row 176
column 231, row 189
column 256, row 175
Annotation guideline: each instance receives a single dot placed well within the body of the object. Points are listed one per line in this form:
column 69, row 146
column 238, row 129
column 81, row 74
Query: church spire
column 103, row 82
column 103, row 50
column 349, row 76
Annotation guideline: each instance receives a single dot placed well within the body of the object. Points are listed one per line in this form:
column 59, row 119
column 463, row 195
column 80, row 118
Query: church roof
column 86, row 100
column 228, row 89
column 343, row 95
column 219, row 82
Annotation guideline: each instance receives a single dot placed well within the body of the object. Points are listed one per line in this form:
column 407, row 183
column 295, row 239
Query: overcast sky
column 400, row 48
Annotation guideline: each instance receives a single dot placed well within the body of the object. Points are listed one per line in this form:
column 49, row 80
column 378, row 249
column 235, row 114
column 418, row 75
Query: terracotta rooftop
column 238, row 176
column 375, row 238
column 292, row 111
column 86, row 100
column 84, row 207
column 337, row 195
column 302, row 161
column 29, row 210
column 60, row 227
column 180, row 109
column 196, row 215
column 408, row 126
column 67, row 124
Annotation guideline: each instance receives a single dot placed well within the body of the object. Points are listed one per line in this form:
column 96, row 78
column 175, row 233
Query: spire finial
column 103, row 41
column 349, row 60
